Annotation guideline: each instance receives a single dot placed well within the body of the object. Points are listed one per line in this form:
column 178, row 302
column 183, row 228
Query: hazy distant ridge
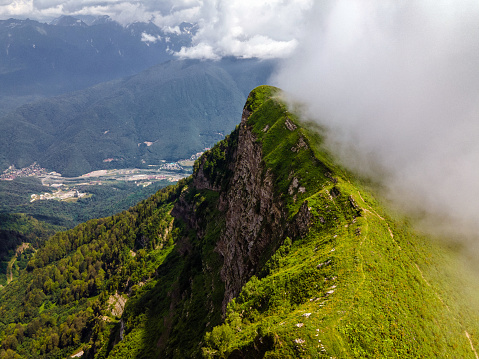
column 167, row 112
column 68, row 54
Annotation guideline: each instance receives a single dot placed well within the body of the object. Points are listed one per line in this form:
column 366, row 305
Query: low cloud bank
column 248, row 28
column 241, row 28
column 397, row 86
column 164, row 12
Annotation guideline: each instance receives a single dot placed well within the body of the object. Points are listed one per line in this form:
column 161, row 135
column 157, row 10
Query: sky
column 396, row 83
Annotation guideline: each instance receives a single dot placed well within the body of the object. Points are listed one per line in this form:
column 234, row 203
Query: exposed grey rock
column 256, row 219
column 300, row 145
column 290, row 125
column 334, row 192
column 330, row 176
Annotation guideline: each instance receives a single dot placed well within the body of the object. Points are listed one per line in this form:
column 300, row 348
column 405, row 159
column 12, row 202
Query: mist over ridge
column 397, row 87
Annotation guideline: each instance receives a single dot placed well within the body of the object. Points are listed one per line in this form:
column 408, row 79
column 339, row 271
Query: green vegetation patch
column 60, row 303
column 288, row 152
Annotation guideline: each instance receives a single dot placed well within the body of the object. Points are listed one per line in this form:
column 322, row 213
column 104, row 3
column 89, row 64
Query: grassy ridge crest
column 357, row 285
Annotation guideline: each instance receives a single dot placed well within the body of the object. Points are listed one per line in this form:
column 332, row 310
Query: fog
column 396, row 84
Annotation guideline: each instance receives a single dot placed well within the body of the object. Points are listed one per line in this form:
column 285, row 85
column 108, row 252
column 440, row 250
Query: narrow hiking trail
column 372, row 211
column 358, row 286
column 472, row 345
column 22, row 247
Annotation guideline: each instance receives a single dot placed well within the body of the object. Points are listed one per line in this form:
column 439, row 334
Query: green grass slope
column 359, row 285
column 147, row 282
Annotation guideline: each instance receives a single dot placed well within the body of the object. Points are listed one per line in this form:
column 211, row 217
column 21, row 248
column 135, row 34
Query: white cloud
column 397, row 84
column 243, row 28
column 164, row 12
column 148, row 38
column 200, row 51
column 249, row 28
column 172, row 29
column 17, row 8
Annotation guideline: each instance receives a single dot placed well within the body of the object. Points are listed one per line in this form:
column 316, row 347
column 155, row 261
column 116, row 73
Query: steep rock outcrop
column 255, row 218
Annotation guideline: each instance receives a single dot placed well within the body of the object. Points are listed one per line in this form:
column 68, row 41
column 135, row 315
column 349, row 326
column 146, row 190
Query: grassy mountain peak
column 269, row 249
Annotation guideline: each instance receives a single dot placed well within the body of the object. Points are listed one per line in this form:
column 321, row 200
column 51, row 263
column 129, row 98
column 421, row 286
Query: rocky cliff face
column 255, row 218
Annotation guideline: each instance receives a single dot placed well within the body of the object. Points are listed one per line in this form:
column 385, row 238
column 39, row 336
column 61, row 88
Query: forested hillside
column 15, row 197
column 270, row 249
column 168, row 112
column 22, row 221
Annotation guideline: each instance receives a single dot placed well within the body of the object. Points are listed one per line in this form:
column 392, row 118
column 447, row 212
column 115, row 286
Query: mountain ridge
column 43, row 60
column 269, row 250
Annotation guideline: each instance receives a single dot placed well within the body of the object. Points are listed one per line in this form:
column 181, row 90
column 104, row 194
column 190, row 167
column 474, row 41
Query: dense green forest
column 270, row 249
column 24, row 222
column 66, row 283
column 104, row 200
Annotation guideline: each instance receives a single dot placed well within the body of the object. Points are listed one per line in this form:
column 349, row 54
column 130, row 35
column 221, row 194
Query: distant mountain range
column 167, row 112
column 50, row 113
column 38, row 59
